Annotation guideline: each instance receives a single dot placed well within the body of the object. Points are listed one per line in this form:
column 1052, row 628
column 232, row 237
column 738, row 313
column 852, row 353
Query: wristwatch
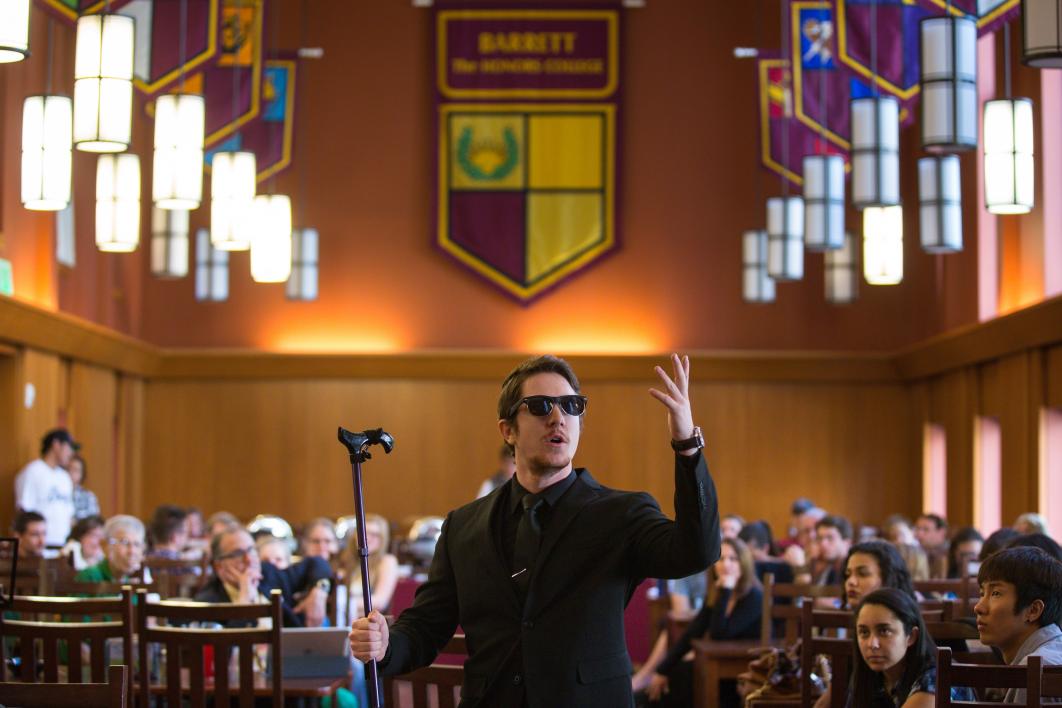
column 324, row 585
column 696, row 442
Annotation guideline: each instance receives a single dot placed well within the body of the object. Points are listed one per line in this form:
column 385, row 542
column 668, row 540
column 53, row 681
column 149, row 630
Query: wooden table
column 301, row 688
column 713, row 661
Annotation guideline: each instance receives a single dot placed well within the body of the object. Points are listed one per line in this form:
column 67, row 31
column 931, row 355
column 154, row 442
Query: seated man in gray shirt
column 1020, row 608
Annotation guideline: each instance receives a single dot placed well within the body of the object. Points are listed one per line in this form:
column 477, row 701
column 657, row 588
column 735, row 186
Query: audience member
column 894, row 656
column 85, row 545
column 383, row 567
column 1020, row 608
column 916, row 559
column 730, row 525
column 833, row 537
column 32, row 530
column 44, row 486
column 1030, row 522
column 319, row 539
column 239, row 576
column 965, row 547
column 1038, row 540
column 997, row 541
column 196, row 525
column 797, row 509
column 85, row 501
column 220, row 521
column 168, row 532
column 872, row 565
column 124, row 552
column 506, row 470
column 274, row 550
column 802, row 554
column 931, row 530
column 734, row 609
column 896, row 529
column 757, row 536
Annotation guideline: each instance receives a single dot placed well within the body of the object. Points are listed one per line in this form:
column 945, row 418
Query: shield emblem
column 526, row 192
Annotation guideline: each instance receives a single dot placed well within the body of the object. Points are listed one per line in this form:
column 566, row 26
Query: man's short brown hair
column 512, row 386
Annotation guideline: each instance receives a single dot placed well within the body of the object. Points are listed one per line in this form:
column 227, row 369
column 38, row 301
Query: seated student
column 383, row 567
column 240, row 577
column 931, row 530
column 833, row 537
column 730, row 525
column 757, row 536
column 1020, row 608
column 169, row 532
column 124, row 552
column 85, row 545
column 1030, row 522
column 319, row 539
column 274, row 550
column 1038, row 540
column 895, row 658
column 735, row 605
column 32, row 531
column 964, row 549
column 997, row 541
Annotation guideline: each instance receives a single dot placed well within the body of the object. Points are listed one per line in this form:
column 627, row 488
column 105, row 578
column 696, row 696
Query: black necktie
column 528, row 537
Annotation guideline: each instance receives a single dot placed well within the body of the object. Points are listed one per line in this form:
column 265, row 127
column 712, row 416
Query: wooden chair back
column 113, row 694
column 813, row 642
column 979, row 677
column 181, row 628
column 177, row 578
column 964, row 591
column 33, row 577
column 1051, row 682
column 438, row 684
column 46, row 628
column 780, row 605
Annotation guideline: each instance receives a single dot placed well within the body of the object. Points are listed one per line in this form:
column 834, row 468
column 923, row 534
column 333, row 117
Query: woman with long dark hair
column 894, row 660
column 871, row 565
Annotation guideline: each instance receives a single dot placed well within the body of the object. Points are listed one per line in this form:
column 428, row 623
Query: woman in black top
column 735, row 605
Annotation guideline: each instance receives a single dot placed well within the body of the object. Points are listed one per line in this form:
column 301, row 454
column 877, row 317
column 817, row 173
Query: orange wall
column 688, row 190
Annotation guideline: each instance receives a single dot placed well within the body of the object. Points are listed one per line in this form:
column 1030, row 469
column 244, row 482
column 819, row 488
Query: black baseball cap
column 58, row 435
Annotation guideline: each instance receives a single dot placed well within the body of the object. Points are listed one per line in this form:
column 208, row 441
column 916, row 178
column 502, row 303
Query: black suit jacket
column 294, row 580
column 568, row 634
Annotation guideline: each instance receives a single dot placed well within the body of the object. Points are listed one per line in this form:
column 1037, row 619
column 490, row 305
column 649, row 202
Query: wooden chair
column 44, row 623
column 177, row 578
column 780, row 606
column 963, row 590
column 980, row 677
column 112, row 694
column 1051, row 682
column 178, row 627
column 442, row 680
column 74, row 588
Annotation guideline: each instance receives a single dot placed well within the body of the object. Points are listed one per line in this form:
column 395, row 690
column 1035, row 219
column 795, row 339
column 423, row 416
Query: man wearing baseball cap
column 44, row 486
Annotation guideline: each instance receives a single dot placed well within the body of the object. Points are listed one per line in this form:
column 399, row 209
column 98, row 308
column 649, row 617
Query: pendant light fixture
column 118, row 202
column 46, row 153
column 232, row 188
column 940, row 204
column 271, row 240
column 757, row 285
column 949, row 83
column 875, row 122
column 883, row 245
column 211, row 270
column 169, row 242
column 302, row 285
column 1041, row 24
column 177, row 176
column 14, row 30
column 1009, row 163
column 823, row 190
column 103, row 82
column 841, row 269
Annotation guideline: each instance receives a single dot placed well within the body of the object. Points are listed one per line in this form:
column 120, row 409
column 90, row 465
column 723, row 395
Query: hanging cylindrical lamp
column 940, row 204
column 118, row 202
column 103, row 83
column 883, row 245
column 14, row 30
column 232, row 188
column 271, row 242
column 211, row 270
column 785, row 238
column 177, row 171
column 169, row 242
column 757, row 284
column 841, row 268
column 1009, row 168
column 305, row 257
column 823, row 202
column 46, row 152
column 1041, row 23
column 875, row 151
column 949, row 83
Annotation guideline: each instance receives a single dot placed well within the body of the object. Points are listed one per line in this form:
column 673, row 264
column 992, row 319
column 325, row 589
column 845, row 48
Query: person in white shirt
column 44, row 485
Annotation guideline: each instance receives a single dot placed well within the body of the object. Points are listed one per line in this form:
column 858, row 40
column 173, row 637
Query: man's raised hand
column 676, row 398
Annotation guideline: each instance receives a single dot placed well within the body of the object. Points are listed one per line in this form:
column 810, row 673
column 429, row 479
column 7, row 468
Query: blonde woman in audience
column 85, row 545
column 383, row 566
column 319, row 539
column 1031, row 523
column 274, row 550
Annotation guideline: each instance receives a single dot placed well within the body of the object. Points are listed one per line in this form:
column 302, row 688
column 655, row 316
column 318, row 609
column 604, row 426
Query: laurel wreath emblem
column 464, row 157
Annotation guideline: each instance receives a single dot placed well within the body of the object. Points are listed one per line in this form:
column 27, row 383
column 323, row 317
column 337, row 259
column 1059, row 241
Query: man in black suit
column 538, row 572
column 239, row 576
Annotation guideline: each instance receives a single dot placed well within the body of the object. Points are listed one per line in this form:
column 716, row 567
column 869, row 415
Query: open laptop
column 315, row 652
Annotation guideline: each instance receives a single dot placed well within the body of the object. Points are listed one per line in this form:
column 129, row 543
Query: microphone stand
column 357, row 445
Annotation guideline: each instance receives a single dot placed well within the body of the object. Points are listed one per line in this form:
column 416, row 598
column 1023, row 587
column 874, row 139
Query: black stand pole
column 357, row 445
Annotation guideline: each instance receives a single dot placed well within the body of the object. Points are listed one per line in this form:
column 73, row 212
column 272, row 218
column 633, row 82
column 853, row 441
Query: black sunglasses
column 543, row 405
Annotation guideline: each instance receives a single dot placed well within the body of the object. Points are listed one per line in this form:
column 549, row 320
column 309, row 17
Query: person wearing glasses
column 538, row 572
column 241, row 577
column 123, row 552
